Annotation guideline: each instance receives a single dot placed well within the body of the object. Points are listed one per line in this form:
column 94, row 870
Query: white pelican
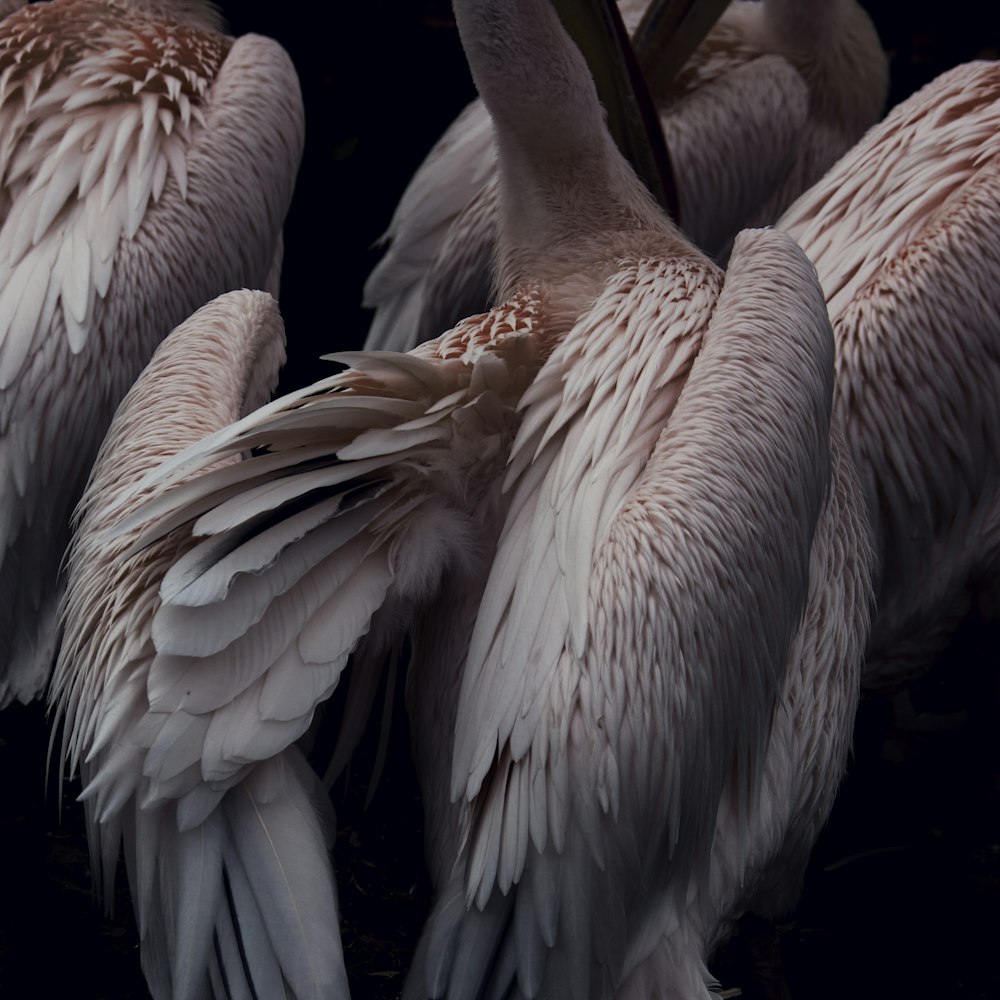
column 232, row 897
column 146, row 164
column 777, row 91
column 615, row 520
column 903, row 233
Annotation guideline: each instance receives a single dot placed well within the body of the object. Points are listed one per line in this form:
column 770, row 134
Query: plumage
column 776, row 92
column 228, row 862
column 146, row 165
column 833, row 49
column 903, row 235
column 614, row 518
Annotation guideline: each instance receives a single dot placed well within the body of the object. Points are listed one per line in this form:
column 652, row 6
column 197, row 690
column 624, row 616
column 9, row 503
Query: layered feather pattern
column 293, row 550
column 903, row 235
column 237, row 595
column 599, row 724
column 232, row 885
column 758, row 861
column 126, row 134
column 91, row 133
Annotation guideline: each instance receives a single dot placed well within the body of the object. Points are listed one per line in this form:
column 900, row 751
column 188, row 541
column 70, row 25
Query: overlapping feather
column 232, row 886
column 598, row 725
column 903, row 235
column 124, row 131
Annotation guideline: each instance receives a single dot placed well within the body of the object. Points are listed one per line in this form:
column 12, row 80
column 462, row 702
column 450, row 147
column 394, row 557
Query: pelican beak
column 670, row 31
column 668, row 34
column 596, row 28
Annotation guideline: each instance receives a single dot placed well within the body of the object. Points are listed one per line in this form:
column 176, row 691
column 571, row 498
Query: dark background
column 904, row 893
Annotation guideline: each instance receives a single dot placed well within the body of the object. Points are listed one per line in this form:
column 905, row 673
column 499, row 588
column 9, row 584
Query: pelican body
column 903, row 233
column 617, row 522
column 776, row 92
column 146, row 165
column 233, row 894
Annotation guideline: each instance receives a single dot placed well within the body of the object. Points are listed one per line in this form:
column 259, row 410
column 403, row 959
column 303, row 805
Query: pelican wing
column 635, row 628
column 351, row 499
column 245, row 897
column 580, row 449
column 213, row 601
column 90, row 140
column 907, row 176
column 903, row 235
column 130, row 148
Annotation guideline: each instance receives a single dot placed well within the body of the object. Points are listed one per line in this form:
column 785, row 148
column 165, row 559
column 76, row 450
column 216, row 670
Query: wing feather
column 206, row 571
column 903, row 235
column 905, row 174
column 287, row 578
column 112, row 189
column 697, row 578
column 565, row 462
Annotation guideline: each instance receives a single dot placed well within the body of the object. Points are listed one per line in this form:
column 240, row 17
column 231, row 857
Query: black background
column 903, row 896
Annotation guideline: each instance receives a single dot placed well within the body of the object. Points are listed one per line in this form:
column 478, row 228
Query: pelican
column 776, row 92
column 232, row 897
column 903, row 233
column 614, row 519
column 146, row 165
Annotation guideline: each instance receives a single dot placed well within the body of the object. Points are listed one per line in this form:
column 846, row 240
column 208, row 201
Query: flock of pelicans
column 644, row 526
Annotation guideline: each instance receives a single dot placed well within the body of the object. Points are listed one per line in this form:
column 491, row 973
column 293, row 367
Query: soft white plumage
column 230, row 879
column 777, row 91
column 620, row 529
column 146, row 164
column 904, row 235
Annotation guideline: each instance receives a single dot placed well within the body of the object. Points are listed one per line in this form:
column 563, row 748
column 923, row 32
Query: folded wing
column 214, row 602
column 635, row 629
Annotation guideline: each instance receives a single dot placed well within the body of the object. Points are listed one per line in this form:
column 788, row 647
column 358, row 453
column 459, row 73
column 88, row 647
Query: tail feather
column 458, row 947
column 227, row 971
column 282, row 848
column 197, row 857
column 245, row 901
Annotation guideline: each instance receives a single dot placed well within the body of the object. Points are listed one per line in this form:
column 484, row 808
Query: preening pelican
column 146, row 165
column 233, row 891
column 903, row 233
column 616, row 522
column 777, row 91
